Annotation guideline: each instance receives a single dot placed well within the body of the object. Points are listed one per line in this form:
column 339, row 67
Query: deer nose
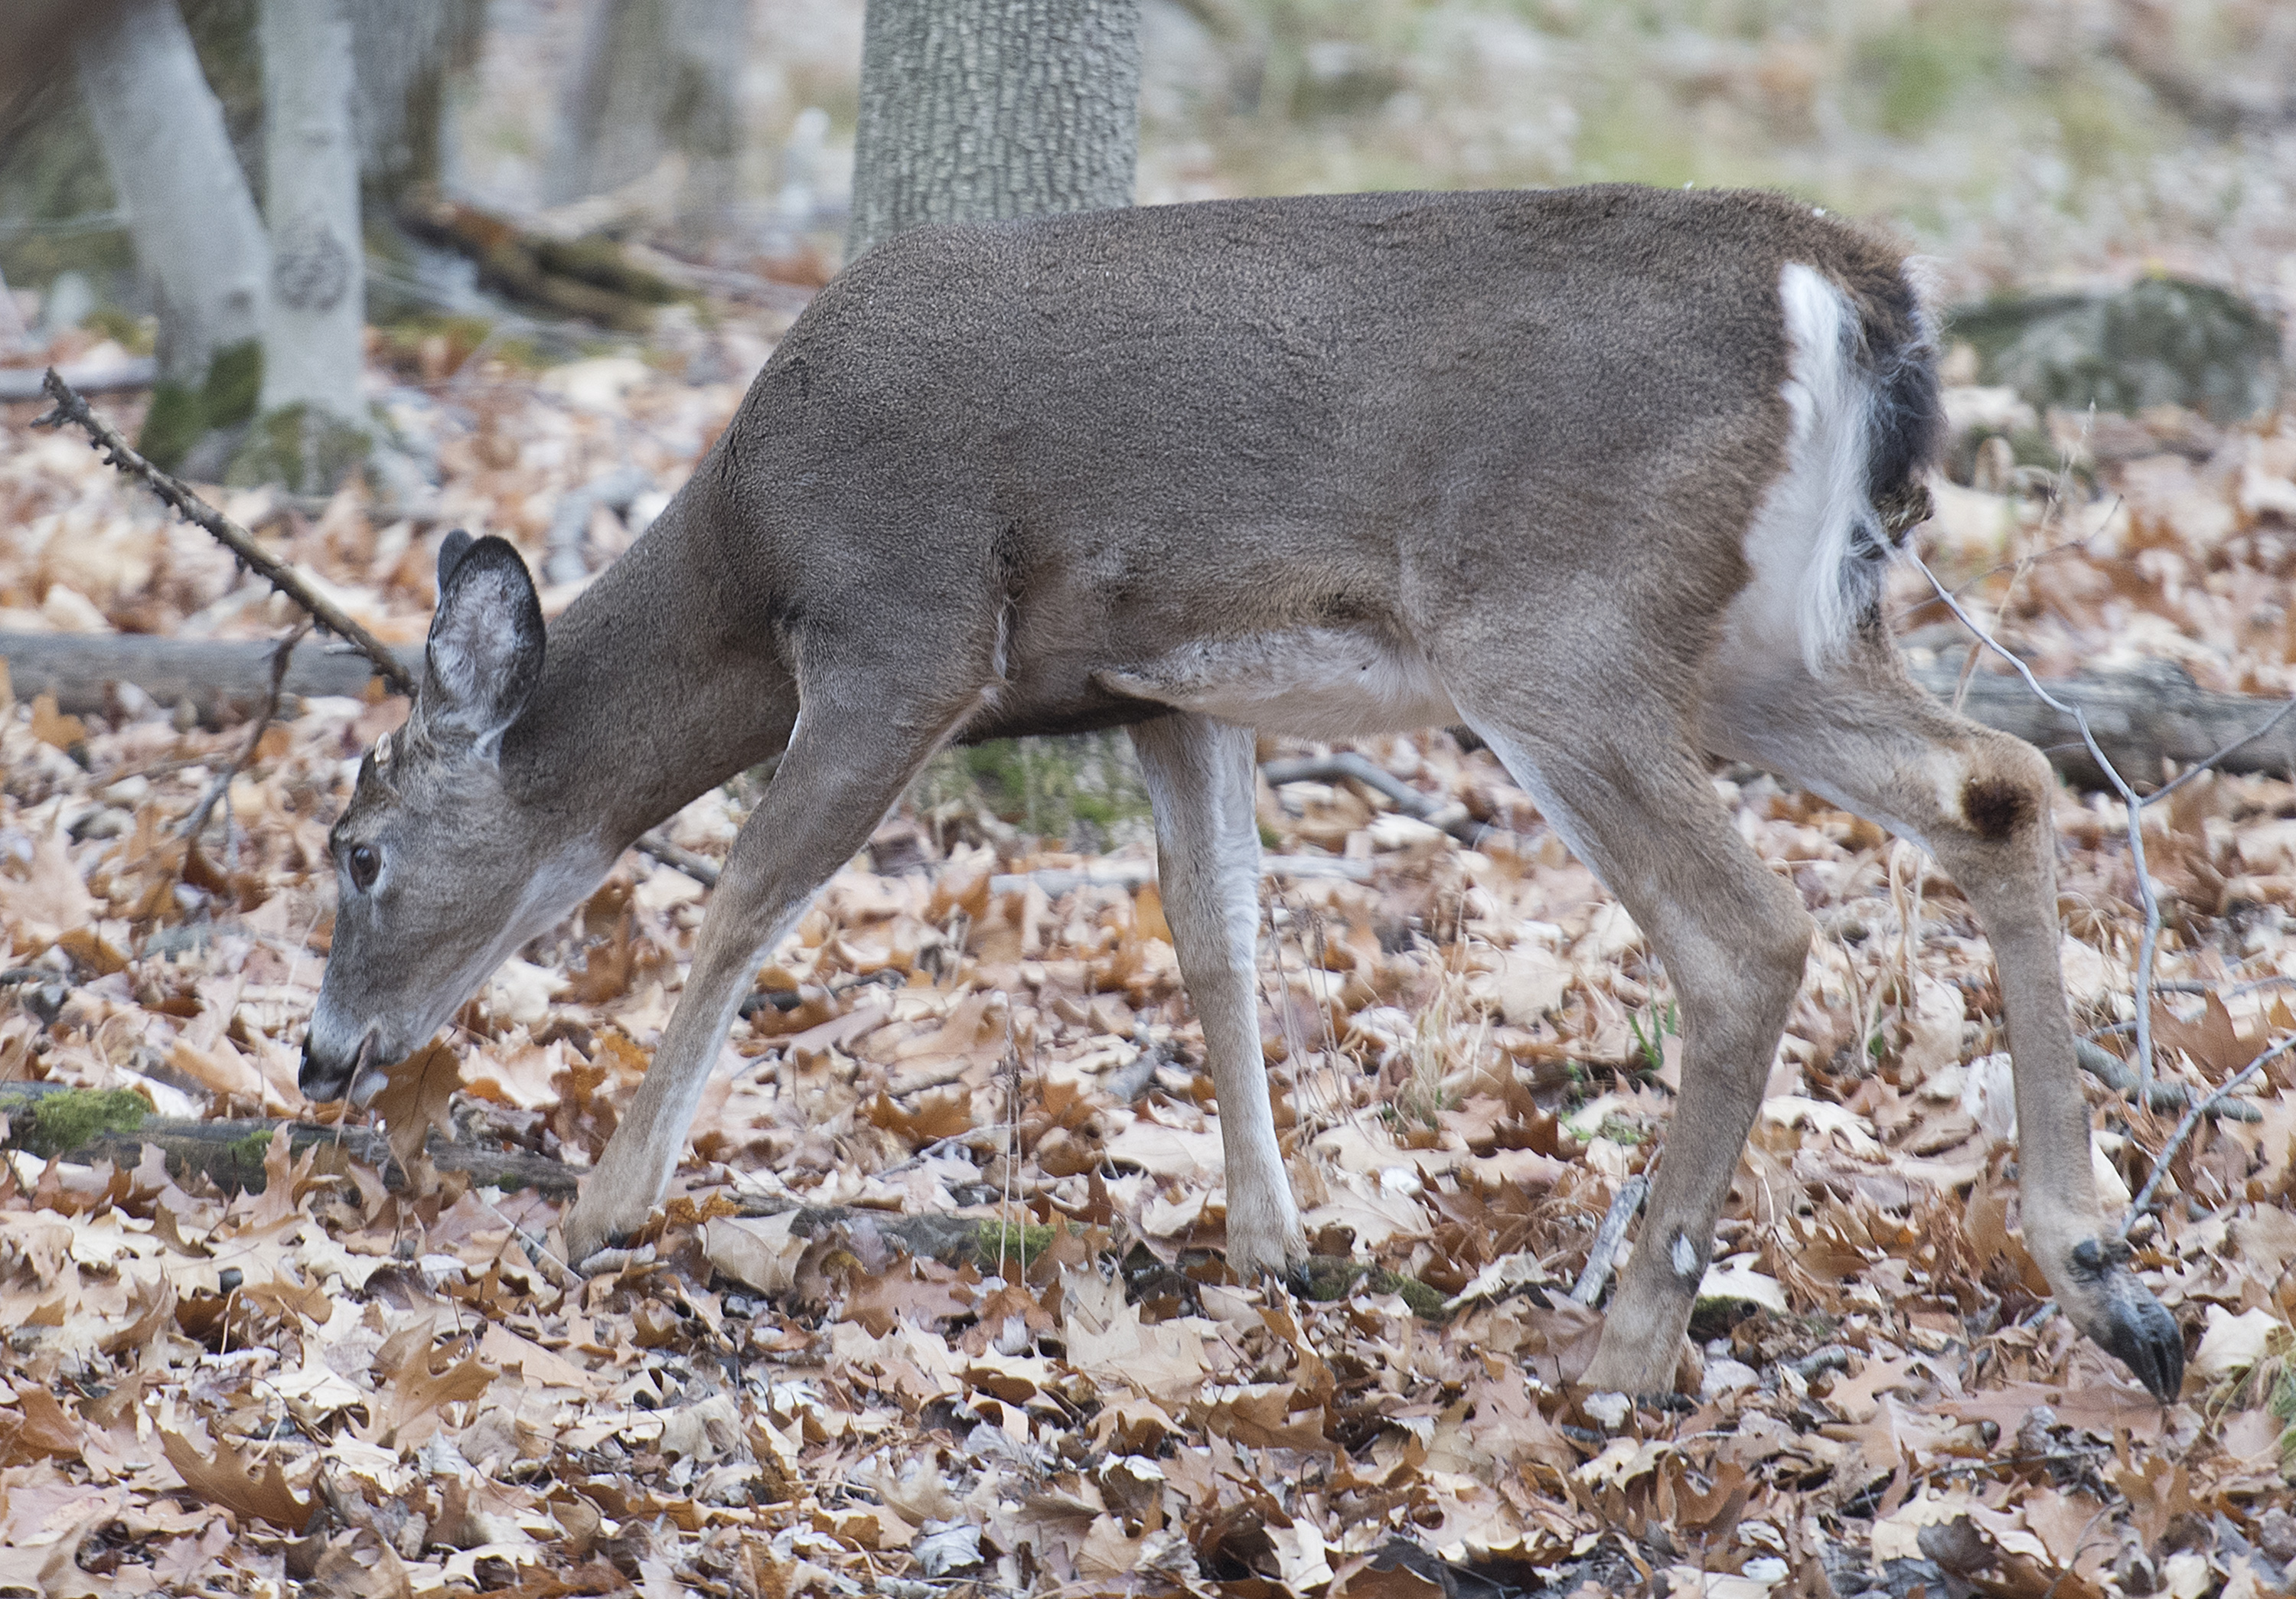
column 325, row 1076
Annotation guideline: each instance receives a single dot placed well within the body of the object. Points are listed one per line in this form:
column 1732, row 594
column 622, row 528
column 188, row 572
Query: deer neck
column 659, row 683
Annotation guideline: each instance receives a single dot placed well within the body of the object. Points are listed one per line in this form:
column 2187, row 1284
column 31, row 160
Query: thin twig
column 2107, row 1069
column 2181, row 778
column 2200, row 1108
column 1608, row 1238
column 701, row 869
column 281, row 652
column 118, row 453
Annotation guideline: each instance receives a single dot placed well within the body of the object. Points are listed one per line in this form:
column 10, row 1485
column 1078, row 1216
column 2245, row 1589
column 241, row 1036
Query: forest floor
column 361, row 1382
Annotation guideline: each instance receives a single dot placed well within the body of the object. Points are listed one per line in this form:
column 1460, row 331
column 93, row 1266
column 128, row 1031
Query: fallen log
column 2148, row 719
column 230, row 1154
column 21, row 383
column 223, row 680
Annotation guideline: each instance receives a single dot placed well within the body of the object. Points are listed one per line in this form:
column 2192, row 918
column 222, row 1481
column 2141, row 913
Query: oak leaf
column 227, row 1481
column 417, row 1098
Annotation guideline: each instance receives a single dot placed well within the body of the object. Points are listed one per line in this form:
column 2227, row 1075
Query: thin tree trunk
column 977, row 109
column 311, row 342
column 190, row 214
column 654, row 76
column 408, row 55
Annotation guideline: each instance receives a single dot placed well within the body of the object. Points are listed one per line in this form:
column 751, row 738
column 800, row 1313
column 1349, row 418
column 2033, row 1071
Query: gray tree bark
column 408, row 56
column 189, row 212
column 654, row 76
column 312, row 340
column 977, row 109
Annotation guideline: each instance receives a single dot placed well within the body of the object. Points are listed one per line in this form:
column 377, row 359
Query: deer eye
column 365, row 864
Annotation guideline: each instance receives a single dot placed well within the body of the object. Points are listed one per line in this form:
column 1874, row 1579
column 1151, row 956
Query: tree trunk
column 191, row 217
column 313, row 412
column 977, row 109
column 407, row 56
column 654, row 76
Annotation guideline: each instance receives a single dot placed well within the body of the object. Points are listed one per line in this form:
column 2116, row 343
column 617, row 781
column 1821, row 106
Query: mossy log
column 85, row 1127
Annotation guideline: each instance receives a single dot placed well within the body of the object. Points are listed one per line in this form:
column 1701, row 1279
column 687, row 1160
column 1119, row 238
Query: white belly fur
column 1312, row 682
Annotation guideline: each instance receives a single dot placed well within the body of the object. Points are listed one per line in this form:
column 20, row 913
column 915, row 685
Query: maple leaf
column 417, row 1097
column 227, row 1481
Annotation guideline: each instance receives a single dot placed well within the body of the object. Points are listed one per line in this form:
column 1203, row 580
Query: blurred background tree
column 972, row 111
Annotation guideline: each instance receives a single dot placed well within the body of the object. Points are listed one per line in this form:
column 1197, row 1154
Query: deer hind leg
column 1870, row 741
column 857, row 746
column 1632, row 799
column 1200, row 780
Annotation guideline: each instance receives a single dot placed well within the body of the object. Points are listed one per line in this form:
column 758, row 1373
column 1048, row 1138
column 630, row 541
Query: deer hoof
column 2140, row 1331
column 2126, row 1319
column 587, row 1241
column 1255, row 1254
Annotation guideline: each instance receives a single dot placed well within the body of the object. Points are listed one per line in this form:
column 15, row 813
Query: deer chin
column 358, row 1081
column 368, row 1077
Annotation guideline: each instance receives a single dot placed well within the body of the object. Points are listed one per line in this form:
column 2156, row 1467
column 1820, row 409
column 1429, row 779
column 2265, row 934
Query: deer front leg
column 1200, row 778
column 841, row 773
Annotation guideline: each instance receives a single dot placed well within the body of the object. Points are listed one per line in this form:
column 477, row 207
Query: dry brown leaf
column 51, row 726
column 419, row 1097
column 37, row 1424
column 227, row 1480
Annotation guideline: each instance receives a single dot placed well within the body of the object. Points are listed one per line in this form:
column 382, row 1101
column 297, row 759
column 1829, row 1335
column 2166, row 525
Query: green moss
column 57, row 1124
column 999, row 1242
column 306, row 450
column 234, row 380
column 1329, row 1278
column 181, row 416
column 171, row 426
column 599, row 260
column 1913, row 74
column 135, row 334
column 1083, row 788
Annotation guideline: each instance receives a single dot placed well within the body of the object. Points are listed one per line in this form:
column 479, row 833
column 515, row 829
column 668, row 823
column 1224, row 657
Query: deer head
column 444, row 862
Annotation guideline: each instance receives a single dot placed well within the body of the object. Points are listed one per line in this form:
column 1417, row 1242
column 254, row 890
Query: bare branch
column 2200, row 1108
column 678, row 858
column 1608, row 1238
column 71, row 407
column 281, row 654
column 1448, row 815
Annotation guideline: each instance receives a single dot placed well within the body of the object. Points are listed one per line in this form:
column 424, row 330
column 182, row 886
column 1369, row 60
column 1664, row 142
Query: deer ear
column 451, row 551
column 485, row 654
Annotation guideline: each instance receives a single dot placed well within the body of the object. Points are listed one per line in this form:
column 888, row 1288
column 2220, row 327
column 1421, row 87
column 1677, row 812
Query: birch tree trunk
column 654, row 76
column 312, row 340
column 977, row 109
column 190, row 214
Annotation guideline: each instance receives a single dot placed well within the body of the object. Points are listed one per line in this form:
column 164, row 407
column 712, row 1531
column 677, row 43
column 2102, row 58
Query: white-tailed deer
column 1609, row 475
